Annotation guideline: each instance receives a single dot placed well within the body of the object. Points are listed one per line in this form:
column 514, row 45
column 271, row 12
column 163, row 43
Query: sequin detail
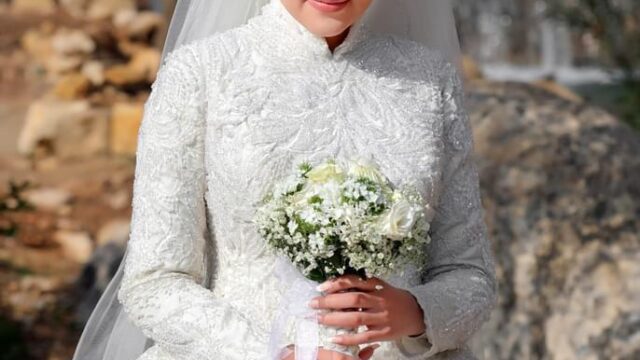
column 231, row 112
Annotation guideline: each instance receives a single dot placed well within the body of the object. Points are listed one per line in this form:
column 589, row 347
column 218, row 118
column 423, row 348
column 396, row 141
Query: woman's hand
column 388, row 313
column 364, row 354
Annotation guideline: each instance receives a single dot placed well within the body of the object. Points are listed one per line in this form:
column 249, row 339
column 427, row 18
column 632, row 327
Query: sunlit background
column 554, row 100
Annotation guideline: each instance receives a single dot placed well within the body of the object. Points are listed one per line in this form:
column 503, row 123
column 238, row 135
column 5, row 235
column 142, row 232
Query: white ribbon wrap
column 295, row 304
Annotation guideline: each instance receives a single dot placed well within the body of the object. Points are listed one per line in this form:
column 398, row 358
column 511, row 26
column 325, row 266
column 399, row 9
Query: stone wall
column 95, row 61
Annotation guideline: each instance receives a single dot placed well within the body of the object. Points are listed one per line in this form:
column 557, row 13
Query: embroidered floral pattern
column 229, row 113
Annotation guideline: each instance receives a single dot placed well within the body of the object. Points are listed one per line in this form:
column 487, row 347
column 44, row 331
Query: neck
column 335, row 40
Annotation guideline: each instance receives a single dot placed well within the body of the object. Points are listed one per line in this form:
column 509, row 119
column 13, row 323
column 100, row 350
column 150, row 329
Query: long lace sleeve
column 458, row 289
column 162, row 290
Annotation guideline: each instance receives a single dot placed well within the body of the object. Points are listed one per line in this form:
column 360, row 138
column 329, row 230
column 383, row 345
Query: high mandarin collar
column 296, row 35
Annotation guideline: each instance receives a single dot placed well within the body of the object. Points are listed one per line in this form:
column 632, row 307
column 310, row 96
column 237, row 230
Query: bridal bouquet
column 341, row 218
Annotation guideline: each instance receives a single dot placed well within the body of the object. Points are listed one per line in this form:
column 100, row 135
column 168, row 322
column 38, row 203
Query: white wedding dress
column 230, row 113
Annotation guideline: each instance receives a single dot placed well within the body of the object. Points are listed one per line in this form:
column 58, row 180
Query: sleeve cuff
column 415, row 347
column 419, row 346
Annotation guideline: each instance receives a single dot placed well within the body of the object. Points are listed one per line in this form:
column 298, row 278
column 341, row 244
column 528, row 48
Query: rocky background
column 74, row 75
column 561, row 188
column 560, row 183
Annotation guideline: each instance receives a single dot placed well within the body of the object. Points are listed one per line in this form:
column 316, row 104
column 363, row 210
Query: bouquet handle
column 309, row 334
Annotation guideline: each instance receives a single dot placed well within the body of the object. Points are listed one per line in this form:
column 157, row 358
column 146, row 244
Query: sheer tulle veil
column 109, row 334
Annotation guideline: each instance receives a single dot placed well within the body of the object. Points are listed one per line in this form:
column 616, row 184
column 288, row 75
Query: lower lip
column 329, row 6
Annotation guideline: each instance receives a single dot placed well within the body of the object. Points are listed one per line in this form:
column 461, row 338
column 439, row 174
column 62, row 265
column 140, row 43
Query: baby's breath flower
column 331, row 220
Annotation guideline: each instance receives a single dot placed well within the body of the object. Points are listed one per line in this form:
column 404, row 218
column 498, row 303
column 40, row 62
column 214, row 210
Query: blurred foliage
column 622, row 99
column 630, row 104
column 11, row 343
column 18, row 269
column 13, row 201
column 614, row 24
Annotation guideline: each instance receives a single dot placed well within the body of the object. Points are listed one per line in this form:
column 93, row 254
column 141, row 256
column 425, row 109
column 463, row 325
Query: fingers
column 350, row 281
column 367, row 352
column 364, row 354
column 363, row 337
column 324, row 354
column 347, row 300
column 353, row 319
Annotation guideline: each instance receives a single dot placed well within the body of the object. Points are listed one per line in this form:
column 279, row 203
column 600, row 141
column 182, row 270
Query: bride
column 245, row 90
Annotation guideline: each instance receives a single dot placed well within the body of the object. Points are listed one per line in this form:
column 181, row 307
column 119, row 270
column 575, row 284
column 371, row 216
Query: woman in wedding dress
column 232, row 111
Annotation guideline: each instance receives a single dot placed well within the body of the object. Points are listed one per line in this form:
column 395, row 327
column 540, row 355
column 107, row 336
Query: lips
column 328, row 5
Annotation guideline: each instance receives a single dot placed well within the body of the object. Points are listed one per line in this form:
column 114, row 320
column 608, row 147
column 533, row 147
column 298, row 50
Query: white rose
column 325, row 172
column 398, row 221
column 361, row 167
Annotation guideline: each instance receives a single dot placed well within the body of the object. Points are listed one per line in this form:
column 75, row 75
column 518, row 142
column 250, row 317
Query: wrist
column 420, row 327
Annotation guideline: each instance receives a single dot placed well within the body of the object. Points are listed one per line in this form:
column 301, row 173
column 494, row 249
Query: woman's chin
column 328, row 28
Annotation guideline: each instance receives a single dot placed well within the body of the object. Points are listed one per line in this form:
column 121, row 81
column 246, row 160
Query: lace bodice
column 230, row 113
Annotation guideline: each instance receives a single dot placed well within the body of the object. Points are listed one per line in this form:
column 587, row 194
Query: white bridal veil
column 109, row 334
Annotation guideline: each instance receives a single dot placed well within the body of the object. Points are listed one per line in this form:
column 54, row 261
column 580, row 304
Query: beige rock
column 47, row 164
column 125, row 122
column 42, row 119
column 85, row 135
column 28, row 296
column 76, row 8
column 41, row 284
column 60, row 64
column 94, row 71
column 596, row 300
column 72, row 41
column 68, row 223
column 37, row 44
column 120, row 200
column 134, row 24
column 120, row 75
column 147, row 62
column 109, row 95
column 72, row 86
column 141, row 69
column 76, row 245
column 48, row 198
column 72, row 128
column 39, row 6
column 100, row 9
column 115, row 231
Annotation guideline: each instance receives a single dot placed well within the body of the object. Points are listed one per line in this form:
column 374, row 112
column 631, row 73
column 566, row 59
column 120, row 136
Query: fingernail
column 375, row 346
column 313, row 303
column 324, row 286
column 335, row 339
